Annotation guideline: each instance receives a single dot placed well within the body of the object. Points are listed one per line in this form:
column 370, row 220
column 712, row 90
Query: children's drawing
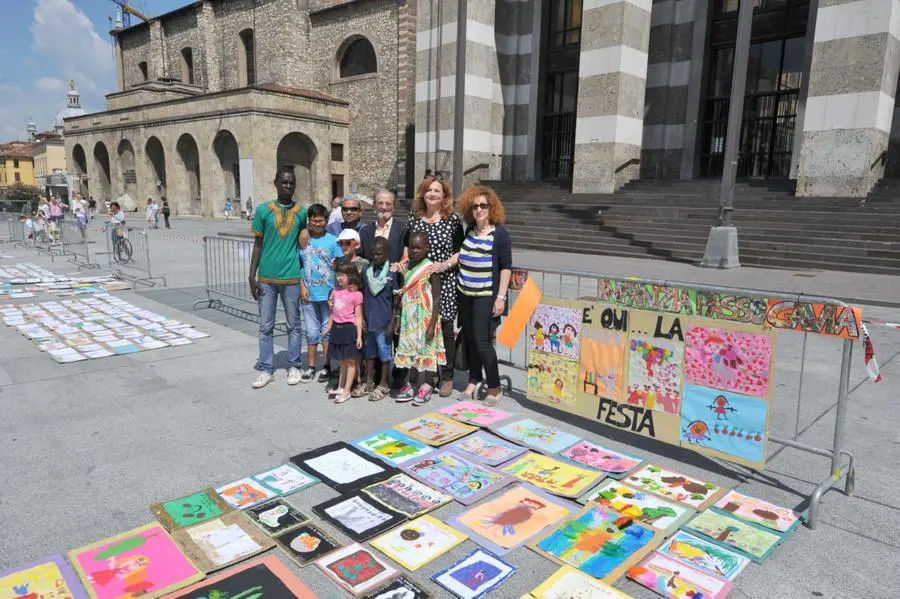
column 306, row 544
column 597, row 541
column 676, row 580
column 747, row 539
column 757, row 511
column 541, row 437
column 466, row 481
column 725, row 421
column 511, row 518
column 355, row 569
column 406, row 495
column 44, row 579
column 475, row 575
column 602, row 368
column 435, row 429
column 674, row 486
column 358, row 516
column 399, row 588
column 392, row 447
column 419, row 541
column 343, row 467
column 703, row 555
column 189, row 510
column 555, row 330
column 220, row 542
column 276, row 517
column 654, row 373
column 264, row 577
column 558, row 477
column 285, row 479
column 614, row 463
column 569, row 583
column 486, row 448
column 552, row 379
column 641, row 506
column 730, row 360
column 244, row 493
column 142, row 561
column 471, row 412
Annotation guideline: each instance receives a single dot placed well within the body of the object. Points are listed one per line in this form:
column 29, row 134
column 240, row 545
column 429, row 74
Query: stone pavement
column 86, row 447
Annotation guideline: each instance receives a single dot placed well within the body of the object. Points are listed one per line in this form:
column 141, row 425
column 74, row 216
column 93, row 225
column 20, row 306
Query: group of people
column 383, row 299
column 153, row 210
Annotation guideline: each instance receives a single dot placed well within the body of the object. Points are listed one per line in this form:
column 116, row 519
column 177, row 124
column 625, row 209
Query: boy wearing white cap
column 349, row 242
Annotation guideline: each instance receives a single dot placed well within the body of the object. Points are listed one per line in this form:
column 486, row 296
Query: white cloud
column 50, row 84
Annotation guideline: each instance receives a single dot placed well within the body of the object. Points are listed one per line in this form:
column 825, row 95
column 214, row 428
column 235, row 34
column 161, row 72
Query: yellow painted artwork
column 552, row 380
column 555, row 476
column 42, row 580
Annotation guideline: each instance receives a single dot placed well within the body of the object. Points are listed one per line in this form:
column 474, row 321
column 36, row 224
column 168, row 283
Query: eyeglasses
column 481, row 206
column 343, row 209
column 346, row 242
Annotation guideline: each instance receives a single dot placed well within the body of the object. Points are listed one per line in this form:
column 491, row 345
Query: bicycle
column 122, row 250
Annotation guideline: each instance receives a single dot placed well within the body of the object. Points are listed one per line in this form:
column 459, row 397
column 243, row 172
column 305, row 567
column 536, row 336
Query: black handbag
column 461, row 358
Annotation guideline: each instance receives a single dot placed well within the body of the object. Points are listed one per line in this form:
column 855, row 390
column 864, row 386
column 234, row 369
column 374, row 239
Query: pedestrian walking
column 152, row 214
column 166, row 212
column 249, row 208
column 229, row 208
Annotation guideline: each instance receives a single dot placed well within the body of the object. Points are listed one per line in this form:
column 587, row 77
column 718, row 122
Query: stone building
column 213, row 96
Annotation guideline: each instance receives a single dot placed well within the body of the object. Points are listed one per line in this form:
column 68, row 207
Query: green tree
column 19, row 194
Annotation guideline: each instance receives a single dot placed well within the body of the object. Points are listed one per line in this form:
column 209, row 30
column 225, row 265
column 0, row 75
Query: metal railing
column 47, row 239
column 74, row 238
column 128, row 254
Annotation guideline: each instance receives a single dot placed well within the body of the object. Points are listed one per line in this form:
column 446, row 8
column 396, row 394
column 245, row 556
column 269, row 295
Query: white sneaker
column 293, row 376
column 263, row 379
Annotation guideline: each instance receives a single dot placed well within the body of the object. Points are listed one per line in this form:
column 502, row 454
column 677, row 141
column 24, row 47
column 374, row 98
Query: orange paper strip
column 520, row 314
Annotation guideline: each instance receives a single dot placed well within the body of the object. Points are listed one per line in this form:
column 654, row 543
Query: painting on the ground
column 417, row 542
column 355, row 569
column 306, row 544
column 406, row 495
column 190, row 509
column 747, row 539
column 725, row 421
column 285, row 479
column 475, row 575
column 757, row 511
column 556, row 476
column 543, row 438
column 703, row 555
column 435, row 429
column 597, row 541
column 221, row 542
column 630, row 502
column 264, row 577
column 343, row 467
column 511, row 518
column 569, row 583
column 475, row 413
column 244, row 493
column 552, row 380
column 601, row 370
column 654, row 373
column 45, row 578
column 276, row 517
column 612, row 463
column 142, row 562
column 399, row 588
column 392, row 447
column 486, row 448
column 555, row 330
column 675, row 486
column 465, row 480
column 730, row 360
column 675, row 580
column 358, row 516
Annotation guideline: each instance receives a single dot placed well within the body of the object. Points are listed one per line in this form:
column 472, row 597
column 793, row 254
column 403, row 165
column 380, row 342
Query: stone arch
column 127, row 168
column 156, row 161
column 189, row 172
column 356, row 56
column 227, row 152
column 101, row 162
column 79, row 164
column 298, row 151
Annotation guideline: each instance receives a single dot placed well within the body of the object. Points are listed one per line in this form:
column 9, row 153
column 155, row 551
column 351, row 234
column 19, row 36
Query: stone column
column 157, row 61
column 612, row 80
column 849, row 110
column 120, row 66
column 212, row 59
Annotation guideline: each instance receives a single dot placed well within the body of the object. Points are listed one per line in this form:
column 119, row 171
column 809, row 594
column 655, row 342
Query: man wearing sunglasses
column 351, row 210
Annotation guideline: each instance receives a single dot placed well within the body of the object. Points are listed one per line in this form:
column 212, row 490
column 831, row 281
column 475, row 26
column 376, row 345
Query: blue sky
column 44, row 44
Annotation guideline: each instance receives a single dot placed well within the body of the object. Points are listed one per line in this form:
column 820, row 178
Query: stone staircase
column 671, row 221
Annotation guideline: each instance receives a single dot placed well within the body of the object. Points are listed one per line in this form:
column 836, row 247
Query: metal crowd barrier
column 128, row 254
column 572, row 285
column 48, row 241
column 74, row 239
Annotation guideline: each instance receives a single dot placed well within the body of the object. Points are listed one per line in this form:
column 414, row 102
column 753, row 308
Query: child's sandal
column 379, row 393
column 341, row 397
column 361, row 391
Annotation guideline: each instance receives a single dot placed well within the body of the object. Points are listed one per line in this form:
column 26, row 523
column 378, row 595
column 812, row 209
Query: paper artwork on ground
column 221, row 542
column 704, row 555
column 417, row 542
column 261, row 578
column 435, row 429
column 306, row 543
column 475, row 575
column 654, row 373
column 730, row 360
column 343, row 467
column 275, row 517
column 465, row 480
column 285, row 479
column 190, row 509
column 44, row 578
column 359, row 516
column 244, row 493
column 511, row 518
column 601, row 371
column 552, row 380
column 612, row 463
column 674, row 486
column 474, row 413
column 569, row 583
column 556, row 476
column 535, row 435
column 486, row 448
column 392, row 447
column 406, row 495
column 630, row 502
column 756, row 511
column 399, row 588
column 675, row 580
column 143, row 562
column 747, row 539
column 355, row 569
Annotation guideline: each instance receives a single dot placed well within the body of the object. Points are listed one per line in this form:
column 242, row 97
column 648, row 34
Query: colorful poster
column 727, row 359
column 654, row 374
column 822, row 319
column 285, row 479
column 703, row 555
column 358, row 516
column 486, row 448
column 419, row 541
column 613, row 463
column 355, row 569
column 647, row 296
column 475, row 575
column 543, row 438
column 675, row 486
column 474, row 413
column 189, row 510
column 392, row 447
column 143, row 562
column 757, row 511
column 406, row 495
column 555, row 330
column 632, row 503
column 511, row 519
column 558, row 477
column 726, row 422
column 221, row 542
column 45, row 578
column 601, row 371
column 569, row 583
column 306, row 544
column 675, row 580
column 244, row 493
column 276, row 517
column 435, row 429
column 266, row 576
column 552, row 380
column 466, row 481
column 747, row 539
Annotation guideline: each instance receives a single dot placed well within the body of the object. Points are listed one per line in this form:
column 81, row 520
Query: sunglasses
column 349, row 209
column 481, row 206
column 346, row 242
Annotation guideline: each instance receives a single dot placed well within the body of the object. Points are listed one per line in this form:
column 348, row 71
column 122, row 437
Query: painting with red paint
column 654, row 373
column 727, row 359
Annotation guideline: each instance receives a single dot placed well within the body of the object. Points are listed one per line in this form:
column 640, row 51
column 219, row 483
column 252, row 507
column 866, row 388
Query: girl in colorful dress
column 345, row 327
column 421, row 346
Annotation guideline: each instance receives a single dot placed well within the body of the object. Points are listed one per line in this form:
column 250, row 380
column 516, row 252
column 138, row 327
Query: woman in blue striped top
column 485, row 266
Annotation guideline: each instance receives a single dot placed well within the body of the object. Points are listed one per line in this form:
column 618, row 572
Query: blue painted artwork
column 475, row 574
column 729, row 422
column 546, row 439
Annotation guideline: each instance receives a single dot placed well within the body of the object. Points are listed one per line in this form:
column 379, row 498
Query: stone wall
column 179, row 32
column 135, row 49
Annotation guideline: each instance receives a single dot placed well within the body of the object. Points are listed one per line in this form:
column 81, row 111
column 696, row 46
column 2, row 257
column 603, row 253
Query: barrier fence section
column 128, row 254
column 74, row 239
column 657, row 317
